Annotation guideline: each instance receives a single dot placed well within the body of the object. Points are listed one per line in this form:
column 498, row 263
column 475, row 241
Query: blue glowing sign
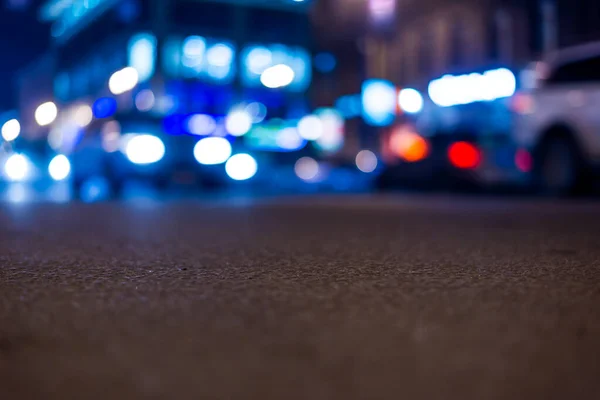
column 202, row 58
column 276, row 135
column 257, row 59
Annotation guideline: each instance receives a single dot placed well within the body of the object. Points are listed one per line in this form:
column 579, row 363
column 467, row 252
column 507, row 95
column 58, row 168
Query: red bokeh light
column 523, row 160
column 464, row 155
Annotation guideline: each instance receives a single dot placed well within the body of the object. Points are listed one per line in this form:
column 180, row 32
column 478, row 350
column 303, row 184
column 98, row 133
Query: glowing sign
column 276, row 135
column 293, row 62
column 202, row 58
column 451, row 90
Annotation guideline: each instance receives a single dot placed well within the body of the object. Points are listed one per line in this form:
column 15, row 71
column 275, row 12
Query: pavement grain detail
column 310, row 298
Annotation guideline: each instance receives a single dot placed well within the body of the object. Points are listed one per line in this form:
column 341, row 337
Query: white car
column 558, row 118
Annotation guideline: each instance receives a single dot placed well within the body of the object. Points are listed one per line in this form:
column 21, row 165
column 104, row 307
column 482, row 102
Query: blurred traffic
column 264, row 97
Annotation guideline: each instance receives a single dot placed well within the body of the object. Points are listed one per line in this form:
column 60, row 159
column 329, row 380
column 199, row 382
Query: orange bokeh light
column 464, row 155
column 409, row 145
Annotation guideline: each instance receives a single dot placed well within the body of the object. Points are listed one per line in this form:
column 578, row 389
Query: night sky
column 22, row 39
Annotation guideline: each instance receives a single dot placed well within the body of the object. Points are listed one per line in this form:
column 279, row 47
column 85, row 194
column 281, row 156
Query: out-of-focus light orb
column 220, row 55
column 325, row 62
column 111, row 136
column 366, row 161
column 11, row 130
column 379, row 102
column 46, row 113
column 464, row 155
column 241, row 167
column 201, row 124
column 408, row 145
column 194, row 46
column 144, row 100
column 451, row 90
column 410, row 101
column 104, row 107
column 289, row 139
column 96, row 188
column 123, row 80
column 83, row 115
column 523, row 160
column 332, row 137
column 212, row 151
column 144, row 149
column 310, row 127
column 59, row 168
column 277, row 76
column 259, row 59
column 238, row 122
column 194, row 49
column 307, row 169
column 16, row 167
column 257, row 111
column 17, row 193
column 142, row 55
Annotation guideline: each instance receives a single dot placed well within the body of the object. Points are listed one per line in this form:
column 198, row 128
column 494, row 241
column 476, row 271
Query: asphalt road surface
column 306, row 298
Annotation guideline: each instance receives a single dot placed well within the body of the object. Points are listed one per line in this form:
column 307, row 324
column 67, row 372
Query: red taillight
column 523, row 160
column 464, row 155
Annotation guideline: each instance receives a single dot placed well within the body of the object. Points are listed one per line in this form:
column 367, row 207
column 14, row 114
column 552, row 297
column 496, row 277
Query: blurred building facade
column 411, row 42
column 190, row 55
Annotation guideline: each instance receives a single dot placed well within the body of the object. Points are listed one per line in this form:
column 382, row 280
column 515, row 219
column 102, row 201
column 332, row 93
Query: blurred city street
column 364, row 297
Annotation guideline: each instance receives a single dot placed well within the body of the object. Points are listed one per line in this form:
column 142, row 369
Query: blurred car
column 557, row 119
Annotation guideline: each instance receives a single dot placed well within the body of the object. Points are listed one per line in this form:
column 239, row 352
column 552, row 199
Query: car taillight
column 464, row 155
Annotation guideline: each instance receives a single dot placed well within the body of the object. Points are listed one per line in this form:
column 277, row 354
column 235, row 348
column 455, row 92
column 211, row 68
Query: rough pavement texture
column 340, row 298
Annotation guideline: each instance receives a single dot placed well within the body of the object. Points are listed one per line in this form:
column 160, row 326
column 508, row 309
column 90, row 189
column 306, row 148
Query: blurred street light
column 11, row 130
column 241, row 167
column 46, row 113
column 59, row 168
column 123, row 80
column 16, row 167
column 277, row 76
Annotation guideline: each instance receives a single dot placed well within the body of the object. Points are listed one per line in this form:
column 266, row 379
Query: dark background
column 22, row 37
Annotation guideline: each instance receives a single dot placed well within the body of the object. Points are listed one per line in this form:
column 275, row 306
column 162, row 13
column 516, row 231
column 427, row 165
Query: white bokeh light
column 201, row 124
column 289, row 139
column 366, row 161
column 11, row 130
column 59, row 168
column 212, row 151
column 241, row 167
column 83, row 115
column 307, row 169
column 277, row 76
column 123, row 80
column 238, row 122
column 16, row 167
column 310, row 127
column 144, row 100
column 144, row 149
column 46, row 113
column 410, row 101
